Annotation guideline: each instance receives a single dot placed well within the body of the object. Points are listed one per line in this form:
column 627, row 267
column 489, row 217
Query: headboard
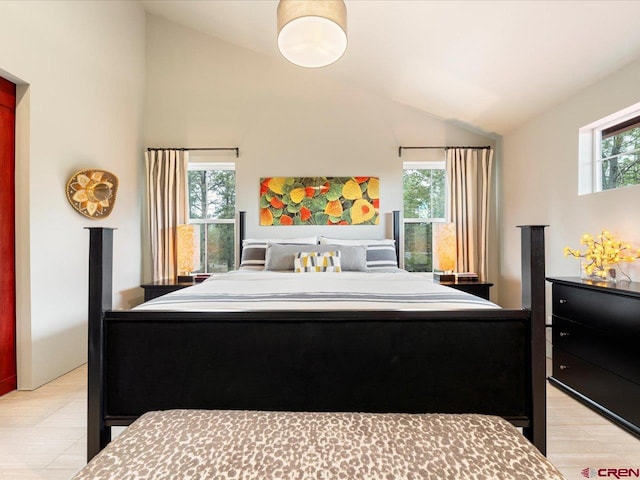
column 242, row 233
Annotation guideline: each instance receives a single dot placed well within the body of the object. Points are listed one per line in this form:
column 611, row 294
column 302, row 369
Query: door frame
column 8, row 353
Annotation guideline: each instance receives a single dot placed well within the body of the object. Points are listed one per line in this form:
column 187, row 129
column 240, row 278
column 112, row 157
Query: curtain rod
column 237, row 149
column 441, row 148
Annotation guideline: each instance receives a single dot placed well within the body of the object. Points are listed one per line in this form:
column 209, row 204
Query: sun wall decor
column 319, row 201
column 92, row 193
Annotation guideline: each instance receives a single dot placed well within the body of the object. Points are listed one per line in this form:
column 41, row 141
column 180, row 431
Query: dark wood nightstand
column 479, row 289
column 162, row 287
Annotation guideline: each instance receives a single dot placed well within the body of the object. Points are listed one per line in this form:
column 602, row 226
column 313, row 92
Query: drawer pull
column 562, row 300
column 564, row 367
column 564, row 334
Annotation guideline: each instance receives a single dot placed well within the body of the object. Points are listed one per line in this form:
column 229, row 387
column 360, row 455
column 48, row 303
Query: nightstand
column 162, row 287
column 479, row 289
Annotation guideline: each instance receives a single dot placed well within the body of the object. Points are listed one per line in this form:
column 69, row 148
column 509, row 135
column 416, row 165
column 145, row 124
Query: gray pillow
column 381, row 253
column 381, row 257
column 254, row 250
column 281, row 257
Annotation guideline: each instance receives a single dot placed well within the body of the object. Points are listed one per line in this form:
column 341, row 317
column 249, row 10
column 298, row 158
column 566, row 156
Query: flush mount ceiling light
column 312, row 33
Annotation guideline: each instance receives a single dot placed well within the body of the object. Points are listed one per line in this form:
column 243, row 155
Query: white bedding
column 268, row 290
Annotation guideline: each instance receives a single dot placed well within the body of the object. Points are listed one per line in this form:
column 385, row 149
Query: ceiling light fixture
column 312, row 33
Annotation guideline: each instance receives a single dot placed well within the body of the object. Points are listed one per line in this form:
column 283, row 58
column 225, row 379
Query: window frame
column 590, row 149
column 204, row 222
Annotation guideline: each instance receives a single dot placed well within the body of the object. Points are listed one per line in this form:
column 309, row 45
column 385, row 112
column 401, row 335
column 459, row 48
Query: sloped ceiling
column 491, row 65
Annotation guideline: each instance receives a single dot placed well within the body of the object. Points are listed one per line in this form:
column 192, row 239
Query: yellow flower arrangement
column 602, row 253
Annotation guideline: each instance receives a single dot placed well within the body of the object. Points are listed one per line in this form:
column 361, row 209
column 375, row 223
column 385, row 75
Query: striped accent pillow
column 381, row 256
column 381, row 253
column 254, row 250
column 317, row 262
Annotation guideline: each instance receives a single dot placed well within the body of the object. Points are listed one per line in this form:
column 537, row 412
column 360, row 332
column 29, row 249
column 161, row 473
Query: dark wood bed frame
column 466, row 361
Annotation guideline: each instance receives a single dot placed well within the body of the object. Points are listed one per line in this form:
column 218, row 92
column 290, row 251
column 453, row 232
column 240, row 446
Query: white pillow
column 348, row 241
column 301, row 240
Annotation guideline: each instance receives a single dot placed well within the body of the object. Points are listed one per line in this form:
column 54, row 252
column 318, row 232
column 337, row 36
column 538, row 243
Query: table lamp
column 444, row 239
column 188, row 249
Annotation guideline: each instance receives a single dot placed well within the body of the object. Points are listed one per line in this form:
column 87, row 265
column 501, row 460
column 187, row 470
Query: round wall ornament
column 92, row 193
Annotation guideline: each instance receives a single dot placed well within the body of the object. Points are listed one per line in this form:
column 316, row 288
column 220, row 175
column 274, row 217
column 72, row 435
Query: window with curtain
column 424, row 200
column 211, row 191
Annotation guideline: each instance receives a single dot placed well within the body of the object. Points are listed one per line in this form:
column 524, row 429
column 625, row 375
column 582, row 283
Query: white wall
column 80, row 70
column 287, row 121
column 540, row 182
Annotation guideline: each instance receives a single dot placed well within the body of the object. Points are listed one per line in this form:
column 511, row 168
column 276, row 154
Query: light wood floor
column 42, row 433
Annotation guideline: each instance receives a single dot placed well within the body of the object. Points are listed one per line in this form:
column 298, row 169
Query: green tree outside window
column 424, row 195
column 621, row 158
column 212, row 205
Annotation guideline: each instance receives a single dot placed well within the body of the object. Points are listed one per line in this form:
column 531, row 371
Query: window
column 424, row 191
column 610, row 152
column 212, row 205
column 620, row 155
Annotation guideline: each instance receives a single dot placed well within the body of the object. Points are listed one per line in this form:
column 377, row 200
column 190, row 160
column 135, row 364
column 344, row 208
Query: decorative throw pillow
column 381, row 253
column 317, row 262
column 254, row 250
column 353, row 258
column 381, row 256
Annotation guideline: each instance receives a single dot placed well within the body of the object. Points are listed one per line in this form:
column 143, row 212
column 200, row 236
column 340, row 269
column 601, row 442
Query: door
column 7, row 234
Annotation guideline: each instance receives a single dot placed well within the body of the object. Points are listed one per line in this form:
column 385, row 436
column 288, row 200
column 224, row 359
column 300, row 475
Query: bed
column 253, row 291
column 382, row 362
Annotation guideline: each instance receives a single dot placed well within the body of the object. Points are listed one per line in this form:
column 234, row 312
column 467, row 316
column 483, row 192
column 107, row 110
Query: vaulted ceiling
column 491, row 65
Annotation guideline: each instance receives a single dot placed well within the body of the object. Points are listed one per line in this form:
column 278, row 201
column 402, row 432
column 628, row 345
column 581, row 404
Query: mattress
column 272, row 290
column 251, row 445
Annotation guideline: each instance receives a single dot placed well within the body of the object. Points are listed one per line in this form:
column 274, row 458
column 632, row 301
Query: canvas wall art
column 319, row 201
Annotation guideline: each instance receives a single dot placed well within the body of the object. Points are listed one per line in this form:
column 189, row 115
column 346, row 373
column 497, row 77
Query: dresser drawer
column 608, row 390
column 597, row 309
column 605, row 349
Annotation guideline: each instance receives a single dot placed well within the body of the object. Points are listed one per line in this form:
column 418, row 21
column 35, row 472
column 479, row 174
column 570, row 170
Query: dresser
column 596, row 346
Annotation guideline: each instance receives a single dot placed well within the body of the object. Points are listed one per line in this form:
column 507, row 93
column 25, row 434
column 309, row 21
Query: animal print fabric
column 249, row 445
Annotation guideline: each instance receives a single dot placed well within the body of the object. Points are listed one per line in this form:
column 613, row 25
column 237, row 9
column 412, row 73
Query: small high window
column 620, row 155
column 610, row 152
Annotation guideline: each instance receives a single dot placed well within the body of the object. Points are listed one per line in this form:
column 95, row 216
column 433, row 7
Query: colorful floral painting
column 319, row 201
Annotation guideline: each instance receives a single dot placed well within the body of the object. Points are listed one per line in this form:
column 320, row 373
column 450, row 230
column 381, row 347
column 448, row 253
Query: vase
column 606, row 274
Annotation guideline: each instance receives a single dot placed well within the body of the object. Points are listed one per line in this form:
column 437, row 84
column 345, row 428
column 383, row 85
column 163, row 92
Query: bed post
column 241, row 235
column 100, row 299
column 396, row 233
column 533, row 298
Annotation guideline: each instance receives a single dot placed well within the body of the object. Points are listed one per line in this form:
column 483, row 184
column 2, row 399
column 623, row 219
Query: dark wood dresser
column 596, row 346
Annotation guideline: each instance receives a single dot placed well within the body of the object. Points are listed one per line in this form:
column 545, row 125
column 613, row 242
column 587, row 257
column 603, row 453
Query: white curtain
column 167, row 207
column 469, row 182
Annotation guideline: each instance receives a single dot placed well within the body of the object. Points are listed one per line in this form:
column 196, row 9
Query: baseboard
column 8, row 384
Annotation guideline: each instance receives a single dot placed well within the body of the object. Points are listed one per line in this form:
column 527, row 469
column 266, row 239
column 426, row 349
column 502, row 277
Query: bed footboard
column 473, row 361
column 301, row 361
